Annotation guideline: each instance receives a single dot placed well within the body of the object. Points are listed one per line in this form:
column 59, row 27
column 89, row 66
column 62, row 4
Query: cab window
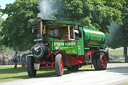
column 53, row 32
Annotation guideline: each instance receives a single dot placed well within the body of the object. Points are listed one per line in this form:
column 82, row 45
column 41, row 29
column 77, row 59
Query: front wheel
column 30, row 67
column 59, row 65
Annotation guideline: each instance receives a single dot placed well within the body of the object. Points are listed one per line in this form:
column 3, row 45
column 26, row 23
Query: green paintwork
column 51, row 22
column 80, row 44
column 93, row 37
column 90, row 38
column 68, row 46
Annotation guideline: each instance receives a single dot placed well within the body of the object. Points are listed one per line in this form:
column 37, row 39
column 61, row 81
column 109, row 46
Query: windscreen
column 53, row 32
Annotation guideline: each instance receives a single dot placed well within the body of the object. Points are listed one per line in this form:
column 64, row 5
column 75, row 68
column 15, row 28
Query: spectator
column 19, row 57
column 15, row 59
column 6, row 61
column 3, row 60
column 23, row 62
column 0, row 61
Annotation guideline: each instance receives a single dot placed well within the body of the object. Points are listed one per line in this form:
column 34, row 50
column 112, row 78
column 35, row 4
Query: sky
column 3, row 5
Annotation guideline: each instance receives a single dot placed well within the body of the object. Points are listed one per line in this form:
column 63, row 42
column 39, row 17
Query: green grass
column 125, row 84
column 116, row 52
column 8, row 73
column 116, row 55
column 116, row 61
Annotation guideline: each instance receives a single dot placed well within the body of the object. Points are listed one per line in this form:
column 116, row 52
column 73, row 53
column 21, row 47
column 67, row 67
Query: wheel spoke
column 103, row 61
column 61, row 64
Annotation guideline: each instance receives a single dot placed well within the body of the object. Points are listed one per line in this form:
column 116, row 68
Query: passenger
column 77, row 34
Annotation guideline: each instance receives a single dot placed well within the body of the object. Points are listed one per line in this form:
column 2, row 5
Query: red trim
column 80, row 59
column 46, row 64
column 103, row 61
column 77, row 60
column 61, row 64
column 91, row 51
column 46, row 67
column 74, row 60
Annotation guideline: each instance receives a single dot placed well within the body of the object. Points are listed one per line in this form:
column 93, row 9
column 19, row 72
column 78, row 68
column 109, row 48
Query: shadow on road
column 122, row 70
column 53, row 73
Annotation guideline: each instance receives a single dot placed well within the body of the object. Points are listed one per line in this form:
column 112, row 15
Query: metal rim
column 103, row 61
column 61, row 65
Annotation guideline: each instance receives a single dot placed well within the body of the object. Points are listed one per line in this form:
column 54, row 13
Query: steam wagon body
column 66, row 44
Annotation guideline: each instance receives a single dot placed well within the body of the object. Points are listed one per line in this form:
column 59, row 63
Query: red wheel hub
column 103, row 61
column 61, row 64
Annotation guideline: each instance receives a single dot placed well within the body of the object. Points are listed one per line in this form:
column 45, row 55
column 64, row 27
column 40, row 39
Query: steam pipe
column 39, row 27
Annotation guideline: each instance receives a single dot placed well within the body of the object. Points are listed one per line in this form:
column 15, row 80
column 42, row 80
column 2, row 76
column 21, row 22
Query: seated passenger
column 77, row 34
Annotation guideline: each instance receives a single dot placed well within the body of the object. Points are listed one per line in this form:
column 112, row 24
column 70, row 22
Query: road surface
column 115, row 74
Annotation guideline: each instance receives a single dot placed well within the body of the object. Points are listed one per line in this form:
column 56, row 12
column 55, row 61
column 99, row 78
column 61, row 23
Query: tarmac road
column 115, row 74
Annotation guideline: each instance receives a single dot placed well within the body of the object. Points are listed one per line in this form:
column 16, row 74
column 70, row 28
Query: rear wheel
column 95, row 64
column 100, row 62
column 59, row 65
column 30, row 67
column 95, row 61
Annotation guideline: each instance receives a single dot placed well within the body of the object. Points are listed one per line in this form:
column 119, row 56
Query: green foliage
column 120, row 37
column 1, row 21
column 16, row 29
column 96, row 14
column 2, row 48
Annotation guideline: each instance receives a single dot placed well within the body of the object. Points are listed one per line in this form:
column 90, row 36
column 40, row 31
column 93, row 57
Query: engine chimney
column 39, row 27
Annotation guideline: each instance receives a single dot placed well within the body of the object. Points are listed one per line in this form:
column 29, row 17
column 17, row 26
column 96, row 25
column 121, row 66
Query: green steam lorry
column 67, row 44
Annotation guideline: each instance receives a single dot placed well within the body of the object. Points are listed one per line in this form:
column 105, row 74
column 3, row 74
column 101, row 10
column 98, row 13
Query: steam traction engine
column 66, row 44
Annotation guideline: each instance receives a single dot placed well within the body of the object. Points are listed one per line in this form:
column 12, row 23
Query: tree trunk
column 125, row 54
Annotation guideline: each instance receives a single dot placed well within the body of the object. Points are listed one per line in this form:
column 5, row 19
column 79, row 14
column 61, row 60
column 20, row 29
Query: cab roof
column 55, row 22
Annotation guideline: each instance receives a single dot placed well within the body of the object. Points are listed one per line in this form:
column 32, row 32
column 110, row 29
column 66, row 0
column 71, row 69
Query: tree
column 125, row 31
column 2, row 48
column 16, row 29
column 96, row 14
column 119, row 37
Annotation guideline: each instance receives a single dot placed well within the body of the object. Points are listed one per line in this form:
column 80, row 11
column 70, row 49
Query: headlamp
column 57, row 47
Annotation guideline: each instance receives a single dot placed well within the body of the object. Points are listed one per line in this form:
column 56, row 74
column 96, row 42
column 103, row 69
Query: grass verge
column 8, row 73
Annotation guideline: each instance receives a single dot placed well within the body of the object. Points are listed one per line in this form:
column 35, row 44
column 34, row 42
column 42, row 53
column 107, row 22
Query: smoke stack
column 39, row 27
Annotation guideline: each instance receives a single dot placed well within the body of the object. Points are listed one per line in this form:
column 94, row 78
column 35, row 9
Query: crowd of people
column 17, row 58
column 4, row 60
